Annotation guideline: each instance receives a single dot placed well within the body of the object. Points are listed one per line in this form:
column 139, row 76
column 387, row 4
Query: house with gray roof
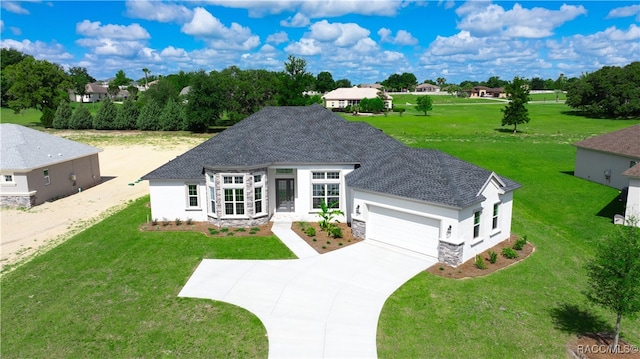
column 613, row 159
column 286, row 161
column 36, row 167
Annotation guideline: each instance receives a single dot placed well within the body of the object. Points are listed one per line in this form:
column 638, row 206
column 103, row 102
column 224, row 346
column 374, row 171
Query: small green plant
column 255, row 229
column 520, row 242
column 336, row 232
column 339, row 243
column 213, row 231
column 230, row 234
column 224, row 230
column 189, row 221
column 509, row 253
column 441, row 268
column 178, row 221
column 310, row 231
column 253, row 232
column 154, row 221
column 479, row 263
column 165, row 221
column 327, row 215
column 240, row 229
column 324, row 247
column 493, row 257
column 314, row 239
column 302, row 225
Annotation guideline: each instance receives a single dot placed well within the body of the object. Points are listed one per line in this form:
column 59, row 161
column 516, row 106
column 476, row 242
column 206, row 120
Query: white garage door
column 408, row 231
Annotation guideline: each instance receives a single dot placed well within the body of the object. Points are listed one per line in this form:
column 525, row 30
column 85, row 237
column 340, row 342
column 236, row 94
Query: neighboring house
column 604, row 158
column 427, row 88
column 94, row 92
column 36, row 167
column 371, row 86
column 291, row 159
column 483, row 91
column 613, row 159
column 351, row 96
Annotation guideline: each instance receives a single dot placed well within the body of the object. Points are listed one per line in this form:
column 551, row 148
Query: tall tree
column 8, row 57
column 294, row 81
column 204, row 103
column 172, row 117
column 106, row 117
column 400, row 82
column 424, row 104
column 515, row 112
column 495, row 82
column 35, row 84
column 614, row 275
column 127, row 118
column 79, row 78
column 146, row 77
column 121, row 79
column 441, row 81
column 161, row 92
column 537, row 83
column 245, row 91
column 324, row 82
column 63, row 115
column 341, row 83
column 149, row 118
column 113, row 90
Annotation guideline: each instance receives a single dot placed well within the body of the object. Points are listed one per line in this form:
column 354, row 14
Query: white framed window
column 47, row 179
column 258, row 193
column 496, row 214
column 233, row 194
column 212, row 199
column 192, row 196
column 476, row 223
column 325, row 187
column 7, row 178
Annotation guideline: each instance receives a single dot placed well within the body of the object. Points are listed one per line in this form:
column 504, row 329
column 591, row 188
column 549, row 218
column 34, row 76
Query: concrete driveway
column 325, row 306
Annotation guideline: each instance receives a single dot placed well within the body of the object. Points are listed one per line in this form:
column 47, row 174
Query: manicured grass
column 535, row 307
column 111, row 291
column 29, row 117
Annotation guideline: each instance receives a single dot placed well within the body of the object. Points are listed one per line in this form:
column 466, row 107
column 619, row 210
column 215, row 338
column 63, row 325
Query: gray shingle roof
column 313, row 134
column 23, row 149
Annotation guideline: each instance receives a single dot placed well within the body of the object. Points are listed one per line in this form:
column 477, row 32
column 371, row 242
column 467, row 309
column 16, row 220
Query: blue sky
column 364, row 41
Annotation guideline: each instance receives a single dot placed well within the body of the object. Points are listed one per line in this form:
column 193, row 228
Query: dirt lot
column 26, row 232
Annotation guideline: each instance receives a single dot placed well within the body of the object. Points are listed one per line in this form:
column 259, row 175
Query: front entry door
column 284, row 195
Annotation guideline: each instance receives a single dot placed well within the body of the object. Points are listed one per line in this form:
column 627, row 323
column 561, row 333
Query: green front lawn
column 111, row 291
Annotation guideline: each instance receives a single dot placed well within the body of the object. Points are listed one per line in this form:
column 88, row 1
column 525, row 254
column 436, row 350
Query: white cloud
column 365, row 45
column 266, row 48
column 481, row 19
column 306, row 47
column 53, row 52
column 625, row 11
column 338, row 33
column 278, row 38
column 14, row 7
column 315, row 8
column 385, row 34
column 209, row 27
column 402, row 37
column 172, row 52
column 109, row 47
column 298, row 20
column 158, row 11
column 109, row 31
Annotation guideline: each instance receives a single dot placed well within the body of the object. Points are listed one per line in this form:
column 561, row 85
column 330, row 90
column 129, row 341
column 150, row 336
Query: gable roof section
column 313, row 134
column 633, row 171
column 24, row 149
column 625, row 142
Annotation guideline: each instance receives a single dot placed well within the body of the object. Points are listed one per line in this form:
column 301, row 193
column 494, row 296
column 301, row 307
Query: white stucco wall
column 169, row 200
column 591, row 165
column 19, row 185
column 633, row 201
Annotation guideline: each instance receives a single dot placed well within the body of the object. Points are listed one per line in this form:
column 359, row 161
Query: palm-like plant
column 327, row 214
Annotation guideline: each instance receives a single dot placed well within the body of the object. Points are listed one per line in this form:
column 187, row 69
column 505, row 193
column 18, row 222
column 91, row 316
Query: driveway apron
column 324, row 306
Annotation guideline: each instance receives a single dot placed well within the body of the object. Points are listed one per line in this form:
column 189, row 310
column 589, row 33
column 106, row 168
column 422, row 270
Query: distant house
column 483, row 91
column 351, row 96
column 427, row 88
column 371, row 86
column 36, row 167
column 267, row 165
column 613, row 159
column 94, row 92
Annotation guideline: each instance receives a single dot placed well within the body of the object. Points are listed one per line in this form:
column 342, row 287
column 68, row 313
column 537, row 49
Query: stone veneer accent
column 13, row 201
column 450, row 254
column 252, row 219
column 358, row 228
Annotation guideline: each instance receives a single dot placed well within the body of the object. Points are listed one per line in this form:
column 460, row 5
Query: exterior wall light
column 449, row 231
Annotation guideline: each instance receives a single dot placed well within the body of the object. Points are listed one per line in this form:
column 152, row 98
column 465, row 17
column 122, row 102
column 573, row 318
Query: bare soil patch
column 596, row 346
column 468, row 269
column 207, row 229
column 322, row 242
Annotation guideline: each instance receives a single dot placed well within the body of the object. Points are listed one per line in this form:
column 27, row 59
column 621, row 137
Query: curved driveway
column 325, row 306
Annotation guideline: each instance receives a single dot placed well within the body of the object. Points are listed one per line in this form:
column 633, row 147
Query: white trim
column 198, row 206
column 501, row 184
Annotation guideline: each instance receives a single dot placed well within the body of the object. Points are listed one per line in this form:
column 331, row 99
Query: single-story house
column 483, row 91
column 288, row 160
column 427, row 88
column 94, row 92
column 36, row 167
column 613, row 159
column 351, row 96
column 371, row 86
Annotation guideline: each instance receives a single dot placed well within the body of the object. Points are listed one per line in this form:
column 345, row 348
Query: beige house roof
column 624, row 142
column 427, row 86
column 352, row 93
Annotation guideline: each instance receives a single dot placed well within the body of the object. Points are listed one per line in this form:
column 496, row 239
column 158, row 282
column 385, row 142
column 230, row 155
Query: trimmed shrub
column 149, row 119
column 81, row 119
column 127, row 116
column 310, row 231
column 63, row 116
column 519, row 244
column 509, row 253
column 480, row 264
column 493, row 257
column 172, row 117
column 336, row 232
column 48, row 115
column 106, row 117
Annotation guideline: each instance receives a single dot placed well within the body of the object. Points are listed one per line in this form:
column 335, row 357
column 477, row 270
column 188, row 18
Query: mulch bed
column 324, row 243
column 207, row 229
column 469, row 270
column 596, row 346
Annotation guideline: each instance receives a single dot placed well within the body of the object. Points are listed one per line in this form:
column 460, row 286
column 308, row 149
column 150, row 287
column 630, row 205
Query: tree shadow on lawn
column 509, row 130
column 571, row 319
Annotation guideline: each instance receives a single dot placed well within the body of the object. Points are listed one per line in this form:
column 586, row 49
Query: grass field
column 111, row 290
